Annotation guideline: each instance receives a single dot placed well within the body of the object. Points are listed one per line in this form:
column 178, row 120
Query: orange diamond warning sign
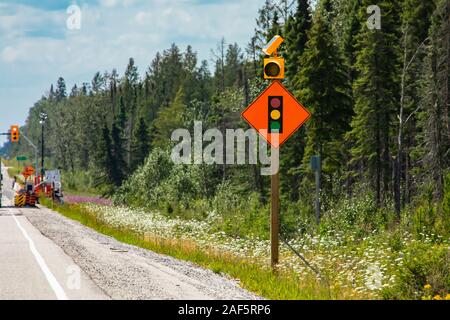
column 28, row 171
column 276, row 114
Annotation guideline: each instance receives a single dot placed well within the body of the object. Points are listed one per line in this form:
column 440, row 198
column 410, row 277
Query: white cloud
column 108, row 3
column 114, row 3
column 36, row 46
column 18, row 20
column 9, row 54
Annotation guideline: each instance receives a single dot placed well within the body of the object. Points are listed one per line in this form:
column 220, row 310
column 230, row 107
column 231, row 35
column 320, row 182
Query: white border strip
column 57, row 289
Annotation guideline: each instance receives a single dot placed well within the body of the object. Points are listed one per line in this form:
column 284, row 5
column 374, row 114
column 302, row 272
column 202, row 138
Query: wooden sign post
column 276, row 115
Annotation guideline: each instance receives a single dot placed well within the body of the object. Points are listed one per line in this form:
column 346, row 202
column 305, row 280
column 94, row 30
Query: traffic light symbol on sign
column 276, row 109
column 14, row 133
column 275, row 114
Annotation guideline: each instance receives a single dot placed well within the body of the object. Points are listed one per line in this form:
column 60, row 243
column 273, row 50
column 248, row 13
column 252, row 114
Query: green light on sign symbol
column 275, row 114
column 275, row 126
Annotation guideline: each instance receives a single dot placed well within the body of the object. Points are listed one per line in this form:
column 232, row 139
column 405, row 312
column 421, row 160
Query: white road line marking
column 57, row 289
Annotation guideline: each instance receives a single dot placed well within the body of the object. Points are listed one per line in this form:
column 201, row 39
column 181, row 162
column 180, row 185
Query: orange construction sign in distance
column 276, row 112
column 28, row 171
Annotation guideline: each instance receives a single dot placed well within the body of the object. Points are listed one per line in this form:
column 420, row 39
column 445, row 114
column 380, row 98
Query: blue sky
column 36, row 47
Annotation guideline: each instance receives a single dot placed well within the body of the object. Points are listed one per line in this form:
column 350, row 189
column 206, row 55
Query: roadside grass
column 16, row 172
column 14, row 169
column 252, row 276
column 11, row 163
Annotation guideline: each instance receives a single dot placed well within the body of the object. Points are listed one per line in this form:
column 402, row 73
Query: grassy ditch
column 252, row 276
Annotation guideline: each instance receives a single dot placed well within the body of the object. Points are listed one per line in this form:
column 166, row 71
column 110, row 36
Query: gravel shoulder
column 127, row 272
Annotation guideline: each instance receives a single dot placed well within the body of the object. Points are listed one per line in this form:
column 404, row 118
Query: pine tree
column 74, row 91
column 122, row 116
column 118, row 165
column 350, row 28
column 60, row 93
column 233, row 66
column 97, row 83
column 252, row 53
column 113, row 79
column 141, row 145
column 205, row 86
column 110, row 156
column 84, row 89
column 51, row 94
column 415, row 24
column 219, row 73
column 264, row 24
column 292, row 152
column 169, row 119
column 171, row 74
column 190, row 81
column 325, row 91
column 433, row 122
column 104, row 156
column 275, row 26
column 130, row 95
column 376, row 95
column 131, row 73
column 296, row 30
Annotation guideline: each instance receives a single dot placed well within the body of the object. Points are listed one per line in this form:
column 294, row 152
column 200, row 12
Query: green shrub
column 240, row 215
column 226, row 201
column 161, row 184
column 427, row 217
column 423, row 264
column 79, row 182
column 395, row 240
column 297, row 219
column 360, row 214
column 445, row 221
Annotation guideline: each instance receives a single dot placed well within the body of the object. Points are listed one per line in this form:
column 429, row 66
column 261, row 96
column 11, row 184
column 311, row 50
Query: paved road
column 41, row 252
column 32, row 266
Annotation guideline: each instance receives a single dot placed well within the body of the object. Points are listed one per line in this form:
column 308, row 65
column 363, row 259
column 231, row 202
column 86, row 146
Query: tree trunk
column 378, row 166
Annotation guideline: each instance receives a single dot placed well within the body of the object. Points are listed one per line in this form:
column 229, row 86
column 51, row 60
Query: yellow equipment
column 25, row 197
column 19, row 200
column 273, row 65
column 274, row 68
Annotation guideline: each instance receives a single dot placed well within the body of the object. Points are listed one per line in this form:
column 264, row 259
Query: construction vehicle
column 28, row 193
column 24, row 194
column 50, row 186
column 53, row 185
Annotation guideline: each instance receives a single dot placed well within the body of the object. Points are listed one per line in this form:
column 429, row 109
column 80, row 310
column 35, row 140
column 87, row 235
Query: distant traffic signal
column 275, row 114
column 274, row 68
column 14, row 133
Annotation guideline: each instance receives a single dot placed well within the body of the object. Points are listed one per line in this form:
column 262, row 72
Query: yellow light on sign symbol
column 275, row 114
